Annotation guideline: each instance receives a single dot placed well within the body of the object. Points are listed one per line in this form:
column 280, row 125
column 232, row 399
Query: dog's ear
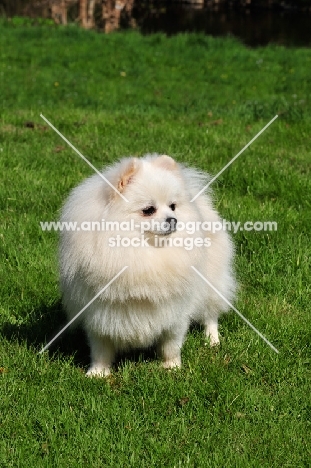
column 127, row 173
column 166, row 162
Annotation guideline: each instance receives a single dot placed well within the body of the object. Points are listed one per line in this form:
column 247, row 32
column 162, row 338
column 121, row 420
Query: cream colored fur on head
column 154, row 300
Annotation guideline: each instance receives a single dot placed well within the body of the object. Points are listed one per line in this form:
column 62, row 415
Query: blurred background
column 255, row 22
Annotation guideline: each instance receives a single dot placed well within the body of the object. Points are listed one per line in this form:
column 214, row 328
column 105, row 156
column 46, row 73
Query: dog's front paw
column 98, row 371
column 213, row 341
column 171, row 363
column 211, row 333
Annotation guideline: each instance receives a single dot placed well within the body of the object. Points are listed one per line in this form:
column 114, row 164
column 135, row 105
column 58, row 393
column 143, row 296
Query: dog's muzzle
column 170, row 225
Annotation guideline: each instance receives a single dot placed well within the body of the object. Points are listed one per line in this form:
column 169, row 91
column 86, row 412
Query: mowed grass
column 200, row 100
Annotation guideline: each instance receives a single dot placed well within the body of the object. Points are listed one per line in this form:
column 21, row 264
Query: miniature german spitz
column 144, row 219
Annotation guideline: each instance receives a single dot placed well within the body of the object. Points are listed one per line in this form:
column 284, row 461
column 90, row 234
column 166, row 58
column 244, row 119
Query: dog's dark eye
column 173, row 206
column 149, row 211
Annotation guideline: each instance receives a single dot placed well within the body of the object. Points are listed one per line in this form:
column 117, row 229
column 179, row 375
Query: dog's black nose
column 172, row 223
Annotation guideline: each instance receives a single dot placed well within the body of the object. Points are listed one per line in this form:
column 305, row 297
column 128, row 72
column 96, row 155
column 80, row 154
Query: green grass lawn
column 200, row 100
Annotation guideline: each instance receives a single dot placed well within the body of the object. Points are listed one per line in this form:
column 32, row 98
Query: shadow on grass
column 44, row 324
column 47, row 321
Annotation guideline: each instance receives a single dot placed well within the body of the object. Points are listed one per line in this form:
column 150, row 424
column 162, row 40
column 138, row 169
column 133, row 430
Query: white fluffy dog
column 154, row 300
